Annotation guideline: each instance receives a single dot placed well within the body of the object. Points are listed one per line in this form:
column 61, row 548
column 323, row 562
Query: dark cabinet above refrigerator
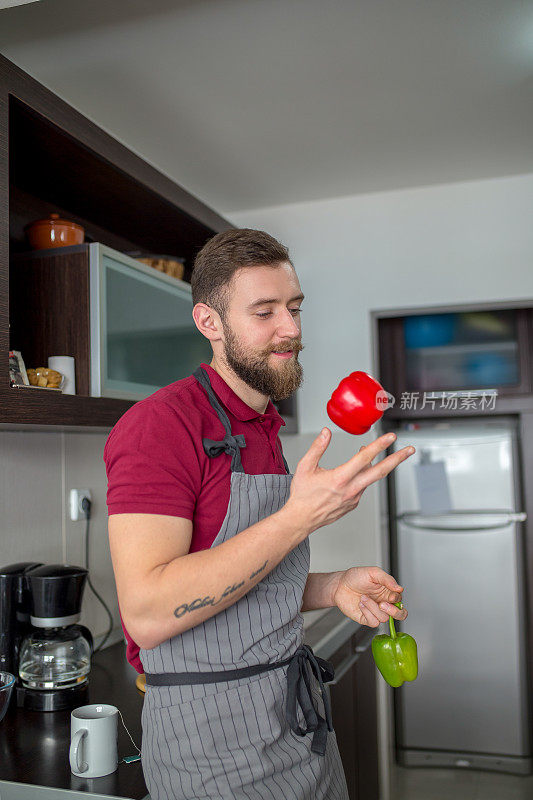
column 455, row 360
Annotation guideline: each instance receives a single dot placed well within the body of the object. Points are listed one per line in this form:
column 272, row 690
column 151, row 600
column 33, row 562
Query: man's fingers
column 393, row 611
column 382, row 469
column 371, row 618
column 380, row 576
column 317, row 449
column 365, row 456
column 366, row 466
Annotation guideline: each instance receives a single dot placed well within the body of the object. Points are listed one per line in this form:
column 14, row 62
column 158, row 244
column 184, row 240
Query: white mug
column 93, row 740
column 65, row 365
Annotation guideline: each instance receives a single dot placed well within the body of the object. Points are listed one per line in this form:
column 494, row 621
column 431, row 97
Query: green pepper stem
column 391, row 621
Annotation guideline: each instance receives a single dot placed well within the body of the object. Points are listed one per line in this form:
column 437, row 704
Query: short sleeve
column 152, row 463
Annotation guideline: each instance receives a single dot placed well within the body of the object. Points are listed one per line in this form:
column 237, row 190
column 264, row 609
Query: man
column 209, row 540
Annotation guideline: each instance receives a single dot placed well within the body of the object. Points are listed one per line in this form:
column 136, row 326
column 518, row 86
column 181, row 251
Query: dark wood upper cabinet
column 55, row 160
column 51, row 169
column 456, row 360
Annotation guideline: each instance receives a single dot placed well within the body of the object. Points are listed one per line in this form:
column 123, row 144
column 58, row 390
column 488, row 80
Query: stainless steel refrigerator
column 457, row 528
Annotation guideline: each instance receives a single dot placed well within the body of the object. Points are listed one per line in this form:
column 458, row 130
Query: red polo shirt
column 156, row 464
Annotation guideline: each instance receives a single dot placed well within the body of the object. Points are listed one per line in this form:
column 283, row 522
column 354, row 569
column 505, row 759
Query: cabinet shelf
column 52, row 310
column 459, row 349
column 19, row 407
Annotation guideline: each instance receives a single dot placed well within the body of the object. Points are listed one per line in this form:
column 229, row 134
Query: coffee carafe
column 52, row 653
column 14, row 612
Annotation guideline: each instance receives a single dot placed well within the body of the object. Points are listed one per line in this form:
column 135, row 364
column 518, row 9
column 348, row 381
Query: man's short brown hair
column 224, row 254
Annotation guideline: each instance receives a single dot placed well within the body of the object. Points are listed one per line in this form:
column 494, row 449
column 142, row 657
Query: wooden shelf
column 21, row 407
column 504, row 405
column 49, row 313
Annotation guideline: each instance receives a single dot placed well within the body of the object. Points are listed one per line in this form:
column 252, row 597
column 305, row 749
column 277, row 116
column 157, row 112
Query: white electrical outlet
column 76, row 498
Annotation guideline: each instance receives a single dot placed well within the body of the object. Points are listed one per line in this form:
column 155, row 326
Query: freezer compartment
column 478, row 471
column 463, row 593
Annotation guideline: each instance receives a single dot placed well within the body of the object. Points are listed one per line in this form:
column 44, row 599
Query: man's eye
column 265, row 314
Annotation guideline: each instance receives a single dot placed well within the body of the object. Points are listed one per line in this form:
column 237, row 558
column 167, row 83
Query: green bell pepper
column 395, row 655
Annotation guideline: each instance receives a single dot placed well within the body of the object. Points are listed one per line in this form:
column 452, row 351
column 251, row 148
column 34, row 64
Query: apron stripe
column 254, row 732
column 298, row 778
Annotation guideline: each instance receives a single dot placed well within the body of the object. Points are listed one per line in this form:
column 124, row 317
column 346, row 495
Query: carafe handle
column 88, row 635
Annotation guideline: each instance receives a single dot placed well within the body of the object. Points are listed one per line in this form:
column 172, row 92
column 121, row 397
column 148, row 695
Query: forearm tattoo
column 200, row 602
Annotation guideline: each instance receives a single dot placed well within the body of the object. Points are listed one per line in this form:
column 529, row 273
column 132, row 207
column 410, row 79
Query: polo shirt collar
column 233, row 402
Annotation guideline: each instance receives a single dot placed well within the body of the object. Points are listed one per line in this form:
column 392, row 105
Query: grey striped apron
column 236, row 707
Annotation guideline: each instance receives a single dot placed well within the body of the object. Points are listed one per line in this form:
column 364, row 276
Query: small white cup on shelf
column 65, row 365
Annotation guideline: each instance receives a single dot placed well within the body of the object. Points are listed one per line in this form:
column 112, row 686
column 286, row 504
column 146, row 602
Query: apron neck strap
column 229, row 444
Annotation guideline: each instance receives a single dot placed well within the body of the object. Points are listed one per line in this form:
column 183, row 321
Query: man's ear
column 208, row 322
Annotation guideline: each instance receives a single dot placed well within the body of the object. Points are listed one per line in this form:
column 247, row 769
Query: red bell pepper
column 357, row 403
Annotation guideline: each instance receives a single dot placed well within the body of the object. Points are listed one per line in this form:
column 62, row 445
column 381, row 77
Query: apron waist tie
column 301, row 665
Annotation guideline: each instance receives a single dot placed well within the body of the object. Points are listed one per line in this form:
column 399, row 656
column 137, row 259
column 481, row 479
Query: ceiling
column 253, row 103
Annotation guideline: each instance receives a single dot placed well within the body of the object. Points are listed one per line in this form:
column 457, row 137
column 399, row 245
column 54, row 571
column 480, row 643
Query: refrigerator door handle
column 458, row 520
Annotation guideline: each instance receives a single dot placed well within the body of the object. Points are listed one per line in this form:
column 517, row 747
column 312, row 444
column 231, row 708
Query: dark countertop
column 34, row 745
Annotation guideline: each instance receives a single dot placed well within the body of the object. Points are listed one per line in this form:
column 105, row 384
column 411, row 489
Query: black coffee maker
column 40, row 642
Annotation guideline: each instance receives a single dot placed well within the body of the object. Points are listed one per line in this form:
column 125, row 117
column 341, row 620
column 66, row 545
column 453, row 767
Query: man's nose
column 289, row 325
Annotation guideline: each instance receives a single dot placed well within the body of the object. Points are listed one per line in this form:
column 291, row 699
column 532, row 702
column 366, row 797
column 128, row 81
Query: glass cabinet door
column 464, row 350
column 148, row 338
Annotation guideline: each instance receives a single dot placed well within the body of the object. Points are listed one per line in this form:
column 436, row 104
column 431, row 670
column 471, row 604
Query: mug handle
column 74, row 752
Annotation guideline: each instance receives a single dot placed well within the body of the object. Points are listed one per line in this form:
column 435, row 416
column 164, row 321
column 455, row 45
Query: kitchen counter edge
column 329, row 632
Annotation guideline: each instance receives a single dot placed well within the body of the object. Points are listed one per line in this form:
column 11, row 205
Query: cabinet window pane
column 468, row 350
column 151, row 336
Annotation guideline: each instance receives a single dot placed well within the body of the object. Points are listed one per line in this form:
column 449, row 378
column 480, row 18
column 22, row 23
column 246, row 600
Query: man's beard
column 254, row 369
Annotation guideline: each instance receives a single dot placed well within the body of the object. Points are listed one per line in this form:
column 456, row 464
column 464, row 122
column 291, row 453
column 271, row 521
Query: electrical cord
column 86, row 506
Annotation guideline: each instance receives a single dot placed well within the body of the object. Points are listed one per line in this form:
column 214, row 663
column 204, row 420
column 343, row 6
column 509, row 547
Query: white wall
column 458, row 243
column 37, row 471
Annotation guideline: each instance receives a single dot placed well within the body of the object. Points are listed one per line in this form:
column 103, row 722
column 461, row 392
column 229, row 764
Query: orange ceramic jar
column 54, row 232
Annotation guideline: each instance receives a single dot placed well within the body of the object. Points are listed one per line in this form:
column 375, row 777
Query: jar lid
column 52, row 220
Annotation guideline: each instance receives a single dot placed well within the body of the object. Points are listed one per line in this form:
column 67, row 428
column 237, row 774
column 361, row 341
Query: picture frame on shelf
column 17, row 369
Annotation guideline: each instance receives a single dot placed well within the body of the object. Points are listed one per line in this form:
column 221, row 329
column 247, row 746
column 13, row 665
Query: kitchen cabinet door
column 354, row 711
column 366, row 716
column 342, row 697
